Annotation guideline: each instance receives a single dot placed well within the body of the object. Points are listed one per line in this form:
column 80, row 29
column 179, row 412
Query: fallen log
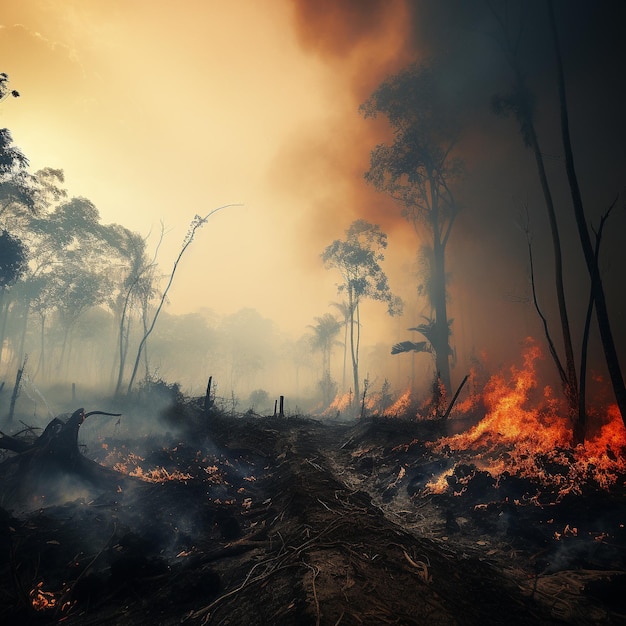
column 45, row 466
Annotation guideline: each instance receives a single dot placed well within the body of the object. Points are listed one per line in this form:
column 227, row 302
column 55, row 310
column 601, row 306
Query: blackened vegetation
column 290, row 520
column 43, row 466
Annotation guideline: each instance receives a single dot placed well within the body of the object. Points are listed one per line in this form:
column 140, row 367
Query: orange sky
column 158, row 110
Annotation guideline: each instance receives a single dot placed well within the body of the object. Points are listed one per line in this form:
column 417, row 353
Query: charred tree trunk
column 208, row 399
column 16, row 390
column 41, row 466
column 602, row 315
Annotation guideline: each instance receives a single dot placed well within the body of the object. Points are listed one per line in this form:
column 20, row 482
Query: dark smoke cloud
column 364, row 42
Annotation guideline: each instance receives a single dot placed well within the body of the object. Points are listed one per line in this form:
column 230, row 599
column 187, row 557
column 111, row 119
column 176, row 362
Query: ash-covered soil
column 267, row 520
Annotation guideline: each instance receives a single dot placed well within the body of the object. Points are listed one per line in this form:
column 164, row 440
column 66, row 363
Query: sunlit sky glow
column 158, row 110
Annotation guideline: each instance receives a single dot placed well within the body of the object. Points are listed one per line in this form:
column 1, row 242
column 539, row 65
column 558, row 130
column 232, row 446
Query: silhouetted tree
column 591, row 259
column 417, row 169
column 196, row 223
column 358, row 258
column 344, row 311
column 325, row 330
column 13, row 260
column 519, row 102
column 5, row 92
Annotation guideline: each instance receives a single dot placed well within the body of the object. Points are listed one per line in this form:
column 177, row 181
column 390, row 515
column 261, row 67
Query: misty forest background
column 86, row 303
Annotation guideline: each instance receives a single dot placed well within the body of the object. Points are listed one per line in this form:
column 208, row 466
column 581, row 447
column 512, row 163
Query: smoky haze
column 157, row 114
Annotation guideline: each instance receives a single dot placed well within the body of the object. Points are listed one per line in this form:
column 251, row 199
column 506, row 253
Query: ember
column 42, row 600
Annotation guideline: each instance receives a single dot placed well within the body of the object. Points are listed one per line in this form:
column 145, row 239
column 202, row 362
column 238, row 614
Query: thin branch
column 546, row 330
column 197, row 223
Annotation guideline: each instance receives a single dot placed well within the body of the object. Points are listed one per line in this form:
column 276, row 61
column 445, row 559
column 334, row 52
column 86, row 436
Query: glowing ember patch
column 42, row 600
column 160, row 475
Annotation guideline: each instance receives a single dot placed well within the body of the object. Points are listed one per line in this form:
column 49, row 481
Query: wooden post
column 16, row 390
column 282, row 403
column 208, row 402
column 275, row 404
column 456, row 395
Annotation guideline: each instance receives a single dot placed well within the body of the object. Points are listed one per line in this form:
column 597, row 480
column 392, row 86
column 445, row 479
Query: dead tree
column 43, row 466
column 16, row 389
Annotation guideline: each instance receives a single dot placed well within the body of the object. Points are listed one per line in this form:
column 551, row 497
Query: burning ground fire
column 183, row 465
column 525, row 436
column 131, row 464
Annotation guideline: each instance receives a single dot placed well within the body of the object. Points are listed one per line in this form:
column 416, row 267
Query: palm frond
column 411, row 346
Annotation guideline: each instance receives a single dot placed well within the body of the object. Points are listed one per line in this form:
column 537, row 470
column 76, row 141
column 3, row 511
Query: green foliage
column 418, row 169
column 429, row 330
column 13, row 259
column 425, row 128
column 11, row 158
column 5, row 92
column 411, row 346
column 358, row 258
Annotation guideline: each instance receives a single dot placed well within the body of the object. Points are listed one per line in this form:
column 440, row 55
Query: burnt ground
column 301, row 521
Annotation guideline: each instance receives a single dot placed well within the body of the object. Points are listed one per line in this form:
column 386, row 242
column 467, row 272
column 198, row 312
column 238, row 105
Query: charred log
column 43, row 463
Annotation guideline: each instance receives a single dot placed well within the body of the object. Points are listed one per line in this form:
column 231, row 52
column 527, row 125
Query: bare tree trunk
column 41, row 364
column 21, row 350
column 146, row 362
column 581, row 426
column 354, row 346
column 4, row 313
column 525, row 117
column 208, row 400
column 124, row 331
column 16, row 390
column 196, row 223
column 604, row 324
column 442, row 347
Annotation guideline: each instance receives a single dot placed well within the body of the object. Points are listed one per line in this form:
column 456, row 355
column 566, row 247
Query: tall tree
column 344, row 310
column 519, row 102
column 417, row 169
column 358, row 258
column 591, row 259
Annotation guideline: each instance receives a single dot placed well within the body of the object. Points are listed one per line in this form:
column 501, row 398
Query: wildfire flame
column 340, row 404
column 523, row 434
column 401, row 406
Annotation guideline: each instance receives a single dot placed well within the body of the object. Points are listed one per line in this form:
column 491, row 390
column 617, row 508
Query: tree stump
column 52, row 466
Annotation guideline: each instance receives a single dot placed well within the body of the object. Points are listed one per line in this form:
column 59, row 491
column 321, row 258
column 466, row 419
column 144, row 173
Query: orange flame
column 340, row 404
column 401, row 406
column 523, row 428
